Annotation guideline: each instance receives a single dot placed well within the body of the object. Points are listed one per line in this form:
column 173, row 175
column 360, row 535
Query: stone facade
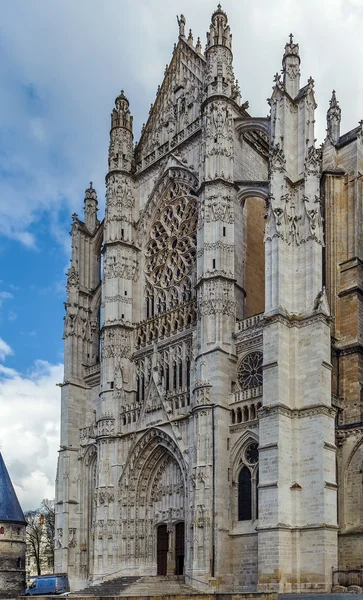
column 206, row 378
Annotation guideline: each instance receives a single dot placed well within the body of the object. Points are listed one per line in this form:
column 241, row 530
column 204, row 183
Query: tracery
column 171, row 250
column 249, row 372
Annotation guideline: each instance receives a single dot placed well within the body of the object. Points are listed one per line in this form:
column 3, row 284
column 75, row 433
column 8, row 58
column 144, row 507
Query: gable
column 177, row 105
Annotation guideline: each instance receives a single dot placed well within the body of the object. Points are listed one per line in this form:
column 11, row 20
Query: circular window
column 171, row 250
column 251, row 453
column 249, row 372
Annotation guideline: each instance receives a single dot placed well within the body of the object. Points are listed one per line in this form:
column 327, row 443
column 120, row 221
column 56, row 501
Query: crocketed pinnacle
column 333, row 118
column 121, row 116
column 219, row 32
column 291, row 49
column 333, row 102
column 291, row 67
column 90, row 193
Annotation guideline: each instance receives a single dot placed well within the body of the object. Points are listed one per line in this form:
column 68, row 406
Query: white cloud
column 29, row 429
column 5, row 349
column 59, row 85
column 5, row 296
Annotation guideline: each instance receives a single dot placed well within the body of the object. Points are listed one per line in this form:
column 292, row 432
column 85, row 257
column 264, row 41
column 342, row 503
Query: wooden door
column 179, row 549
column 162, row 546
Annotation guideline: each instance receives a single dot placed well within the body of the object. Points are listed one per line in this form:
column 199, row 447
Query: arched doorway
column 152, row 503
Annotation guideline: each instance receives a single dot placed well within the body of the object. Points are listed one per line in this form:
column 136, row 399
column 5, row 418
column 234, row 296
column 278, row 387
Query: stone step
column 112, row 587
column 138, row 586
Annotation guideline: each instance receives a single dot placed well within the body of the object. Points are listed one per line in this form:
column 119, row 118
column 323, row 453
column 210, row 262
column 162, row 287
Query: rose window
column 249, row 372
column 171, row 250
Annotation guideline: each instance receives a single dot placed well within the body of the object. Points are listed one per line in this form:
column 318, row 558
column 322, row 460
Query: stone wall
column 12, row 559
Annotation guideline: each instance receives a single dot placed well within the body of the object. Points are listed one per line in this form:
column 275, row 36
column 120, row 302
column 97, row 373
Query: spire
column 218, row 53
column 219, row 33
column 10, row 509
column 291, row 67
column 333, row 118
column 121, row 116
column 90, row 208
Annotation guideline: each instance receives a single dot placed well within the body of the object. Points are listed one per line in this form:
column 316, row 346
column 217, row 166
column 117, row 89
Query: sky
column 62, row 63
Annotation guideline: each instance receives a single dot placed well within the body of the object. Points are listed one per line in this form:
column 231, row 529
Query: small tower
column 119, row 274
column 12, row 538
column 294, row 477
column 333, row 118
column 216, row 284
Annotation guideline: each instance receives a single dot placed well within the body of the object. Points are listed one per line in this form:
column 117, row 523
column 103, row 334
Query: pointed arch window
column 248, row 478
column 244, row 495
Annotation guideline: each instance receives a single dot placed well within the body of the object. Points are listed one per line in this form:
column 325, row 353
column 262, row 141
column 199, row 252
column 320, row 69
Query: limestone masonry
column 213, row 341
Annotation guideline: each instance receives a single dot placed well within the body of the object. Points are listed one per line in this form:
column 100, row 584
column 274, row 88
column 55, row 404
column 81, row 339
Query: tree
column 40, row 535
column 47, row 506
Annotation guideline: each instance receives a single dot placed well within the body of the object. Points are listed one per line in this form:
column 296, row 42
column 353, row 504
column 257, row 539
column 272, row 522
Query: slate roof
column 348, row 137
column 10, row 509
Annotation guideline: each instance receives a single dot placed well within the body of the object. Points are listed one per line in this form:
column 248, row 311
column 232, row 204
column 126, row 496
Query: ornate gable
column 175, row 112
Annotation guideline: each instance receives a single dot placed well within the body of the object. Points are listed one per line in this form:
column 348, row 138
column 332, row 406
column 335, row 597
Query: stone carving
column 277, row 159
column 217, row 206
column 105, row 496
column 116, row 343
column 313, row 161
column 181, row 23
column 121, row 265
column 294, row 218
column 59, row 540
column 72, row 277
column 72, row 538
column 217, row 298
column 201, row 393
column 106, row 426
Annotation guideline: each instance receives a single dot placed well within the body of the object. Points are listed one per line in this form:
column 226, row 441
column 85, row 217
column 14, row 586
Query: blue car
column 43, row 585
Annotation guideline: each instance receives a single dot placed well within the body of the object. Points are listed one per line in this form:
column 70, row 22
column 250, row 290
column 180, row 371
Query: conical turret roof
column 10, row 509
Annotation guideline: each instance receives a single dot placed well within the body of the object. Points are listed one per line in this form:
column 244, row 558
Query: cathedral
column 212, row 403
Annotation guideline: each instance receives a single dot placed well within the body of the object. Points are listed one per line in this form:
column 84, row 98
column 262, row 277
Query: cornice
column 297, row 413
column 295, row 320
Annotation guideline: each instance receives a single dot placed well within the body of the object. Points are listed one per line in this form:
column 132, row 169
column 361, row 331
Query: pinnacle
column 291, row 47
column 333, row 102
column 121, row 98
column 90, row 192
column 219, row 11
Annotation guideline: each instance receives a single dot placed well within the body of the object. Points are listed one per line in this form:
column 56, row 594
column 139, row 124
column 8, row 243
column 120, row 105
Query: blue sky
column 62, row 63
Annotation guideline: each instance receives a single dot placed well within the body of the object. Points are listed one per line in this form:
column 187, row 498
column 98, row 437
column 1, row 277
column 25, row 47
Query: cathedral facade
column 212, row 406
